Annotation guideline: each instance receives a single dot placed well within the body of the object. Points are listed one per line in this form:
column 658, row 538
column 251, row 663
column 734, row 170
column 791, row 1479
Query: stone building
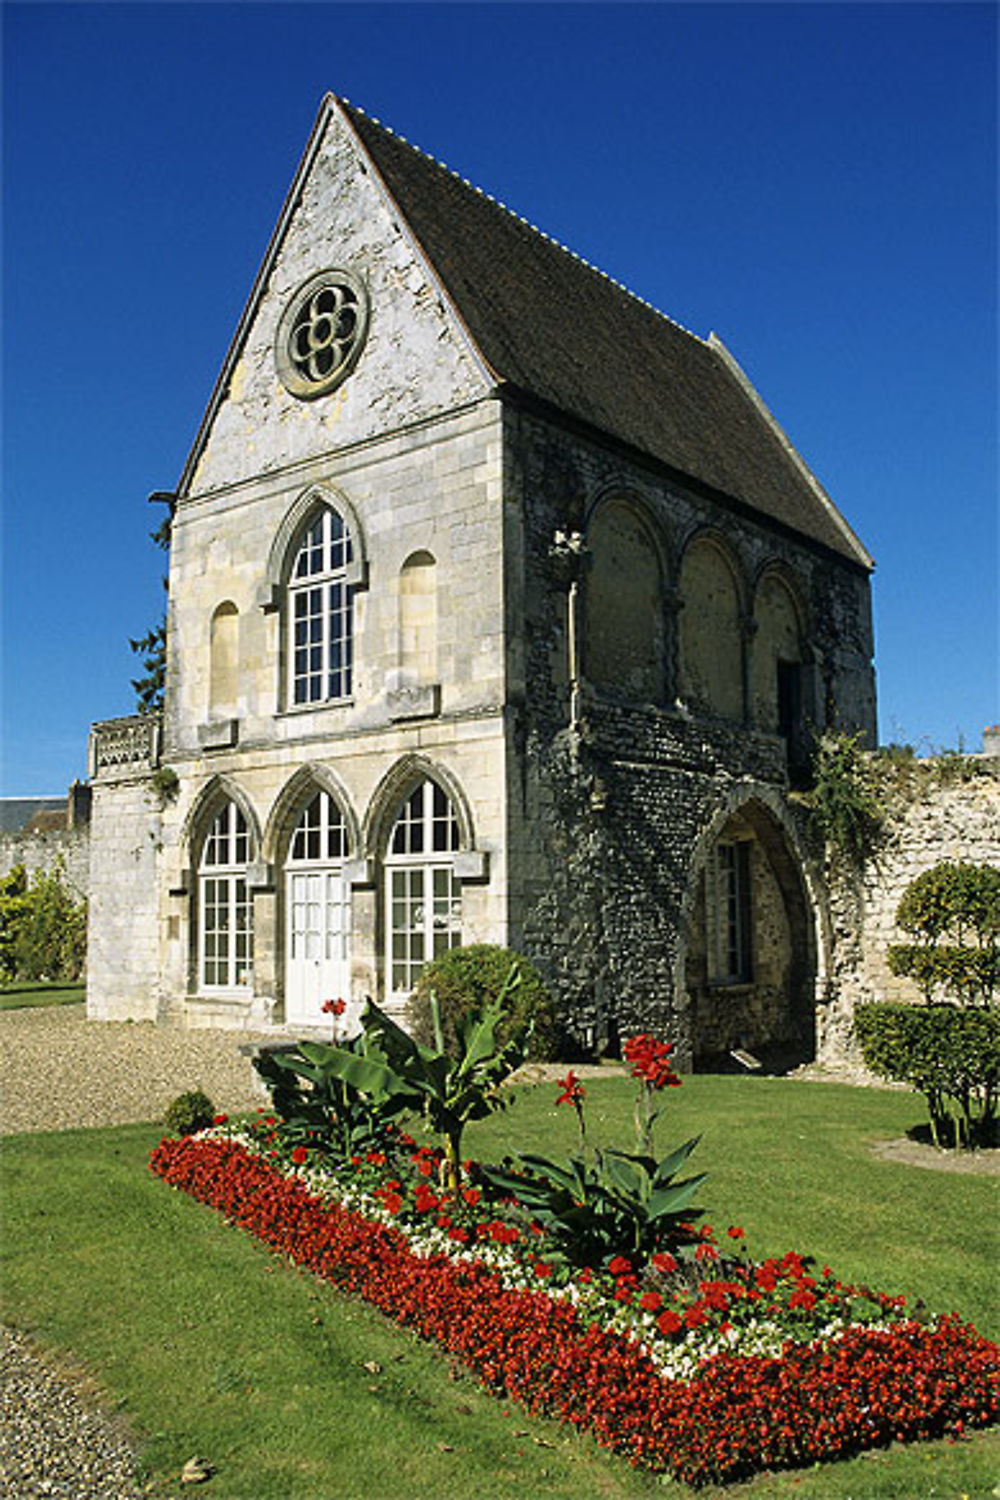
column 500, row 609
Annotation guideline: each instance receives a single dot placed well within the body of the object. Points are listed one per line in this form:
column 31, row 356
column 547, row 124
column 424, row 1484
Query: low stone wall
column 46, row 851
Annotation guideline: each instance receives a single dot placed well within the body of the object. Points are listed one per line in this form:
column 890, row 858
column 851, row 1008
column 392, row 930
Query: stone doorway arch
column 748, row 960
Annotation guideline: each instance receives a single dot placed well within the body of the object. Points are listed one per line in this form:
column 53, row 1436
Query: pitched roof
column 550, row 325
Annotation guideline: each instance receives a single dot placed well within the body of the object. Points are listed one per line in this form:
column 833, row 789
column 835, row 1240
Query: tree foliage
column 152, row 647
column 43, row 927
column 465, row 980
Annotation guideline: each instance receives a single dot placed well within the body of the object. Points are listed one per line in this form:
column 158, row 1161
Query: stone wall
column 59, row 849
column 950, row 811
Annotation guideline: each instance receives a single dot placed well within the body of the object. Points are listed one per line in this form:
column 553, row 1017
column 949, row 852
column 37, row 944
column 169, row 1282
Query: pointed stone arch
column 297, row 518
column 293, row 798
column 768, row 1007
column 206, row 806
column 397, row 783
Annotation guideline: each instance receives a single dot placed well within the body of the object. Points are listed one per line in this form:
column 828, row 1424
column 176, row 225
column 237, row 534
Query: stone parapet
column 121, row 749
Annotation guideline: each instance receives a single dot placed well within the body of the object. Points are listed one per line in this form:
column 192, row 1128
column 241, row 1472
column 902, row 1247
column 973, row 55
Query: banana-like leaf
column 673, row 1163
column 667, row 1201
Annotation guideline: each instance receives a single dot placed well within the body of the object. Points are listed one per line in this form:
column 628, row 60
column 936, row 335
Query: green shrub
column 43, row 928
column 189, row 1113
column 466, row 980
column 953, row 913
column 951, row 1055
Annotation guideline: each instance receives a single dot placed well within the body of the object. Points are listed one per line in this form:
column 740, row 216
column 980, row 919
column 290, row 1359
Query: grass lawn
column 39, row 992
column 209, row 1345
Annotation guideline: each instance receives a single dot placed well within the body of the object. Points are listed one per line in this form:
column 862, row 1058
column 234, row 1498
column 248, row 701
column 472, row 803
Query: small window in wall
column 224, row 661
column 321, row 644
column 226, row 912
column 423, row 896
column 731, row 946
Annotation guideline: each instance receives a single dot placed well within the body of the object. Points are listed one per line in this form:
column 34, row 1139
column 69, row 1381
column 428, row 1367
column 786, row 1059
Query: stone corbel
column 260, row 876
column 471, row 865
column 359, row 872
column 219, row 734
column 414, row 702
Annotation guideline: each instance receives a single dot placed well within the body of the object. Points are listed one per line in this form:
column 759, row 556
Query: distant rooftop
column 15, row 812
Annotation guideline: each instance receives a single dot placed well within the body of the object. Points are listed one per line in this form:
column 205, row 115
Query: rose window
column 321, row 333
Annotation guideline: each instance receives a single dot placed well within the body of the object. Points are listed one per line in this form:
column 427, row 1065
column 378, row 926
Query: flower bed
column 743, row 1368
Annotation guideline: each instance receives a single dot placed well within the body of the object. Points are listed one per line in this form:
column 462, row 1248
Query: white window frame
column 225, row 908
column 423, row 899
column 320, row 611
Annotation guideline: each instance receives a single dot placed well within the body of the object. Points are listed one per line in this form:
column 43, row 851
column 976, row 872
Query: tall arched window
column 321, row 645
column 318, row 921
column 226, row 913
column 423, row 896
column 624, row 598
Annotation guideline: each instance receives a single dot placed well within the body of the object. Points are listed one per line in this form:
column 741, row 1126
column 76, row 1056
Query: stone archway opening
column 750, row 967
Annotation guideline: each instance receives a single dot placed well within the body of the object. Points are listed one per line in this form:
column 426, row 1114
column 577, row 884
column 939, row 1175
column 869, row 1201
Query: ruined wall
column 933, row 818
column 67, row 850
column 613, row 800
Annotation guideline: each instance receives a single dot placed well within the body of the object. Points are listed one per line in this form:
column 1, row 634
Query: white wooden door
column 318, row 961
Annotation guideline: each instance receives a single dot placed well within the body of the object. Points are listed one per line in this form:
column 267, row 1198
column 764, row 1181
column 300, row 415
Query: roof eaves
column 853, row 541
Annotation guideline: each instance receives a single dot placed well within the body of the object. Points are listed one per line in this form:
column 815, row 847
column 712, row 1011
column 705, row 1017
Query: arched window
column 624, row 606
column 224, row 661
column 423, row 896
column 711, row 637
column 321, row 645
column 318, row 908
column 418, row 620
column 226, row 913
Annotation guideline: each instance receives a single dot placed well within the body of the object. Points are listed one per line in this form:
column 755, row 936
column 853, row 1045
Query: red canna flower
column 333, row 1007
column 573, row 1091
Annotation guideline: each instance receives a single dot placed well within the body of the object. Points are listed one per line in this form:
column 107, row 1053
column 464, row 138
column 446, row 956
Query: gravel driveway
column 111, row 1072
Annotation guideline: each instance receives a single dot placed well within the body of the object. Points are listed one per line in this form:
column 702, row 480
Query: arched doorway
column 749, row 965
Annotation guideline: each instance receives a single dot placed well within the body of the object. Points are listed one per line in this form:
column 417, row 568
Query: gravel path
column 111, row 1072
column 57, row 1442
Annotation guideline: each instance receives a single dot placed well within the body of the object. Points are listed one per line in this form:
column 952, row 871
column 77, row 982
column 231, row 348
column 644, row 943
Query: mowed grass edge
column 209, row 1345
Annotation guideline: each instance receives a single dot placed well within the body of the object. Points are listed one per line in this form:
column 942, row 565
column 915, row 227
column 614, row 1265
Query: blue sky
column 815, row 183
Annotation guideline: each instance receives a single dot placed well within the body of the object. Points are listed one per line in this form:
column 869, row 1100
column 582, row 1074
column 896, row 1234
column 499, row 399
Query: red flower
column 299, row 1155
column 663, row 1263
column 333, row 1007
column 650, row 1301
column 619, row 1266
column 668, row 1322
column 220, row 1119
column 543, row 1269
column 650, row 1061
column 734, row 1232
column 573, row 1091
column 471, row 1195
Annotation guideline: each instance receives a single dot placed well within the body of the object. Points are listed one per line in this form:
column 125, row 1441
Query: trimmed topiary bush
column 952, row 913
column 189, row 1113
column 951, row 1056
column 465, row 980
